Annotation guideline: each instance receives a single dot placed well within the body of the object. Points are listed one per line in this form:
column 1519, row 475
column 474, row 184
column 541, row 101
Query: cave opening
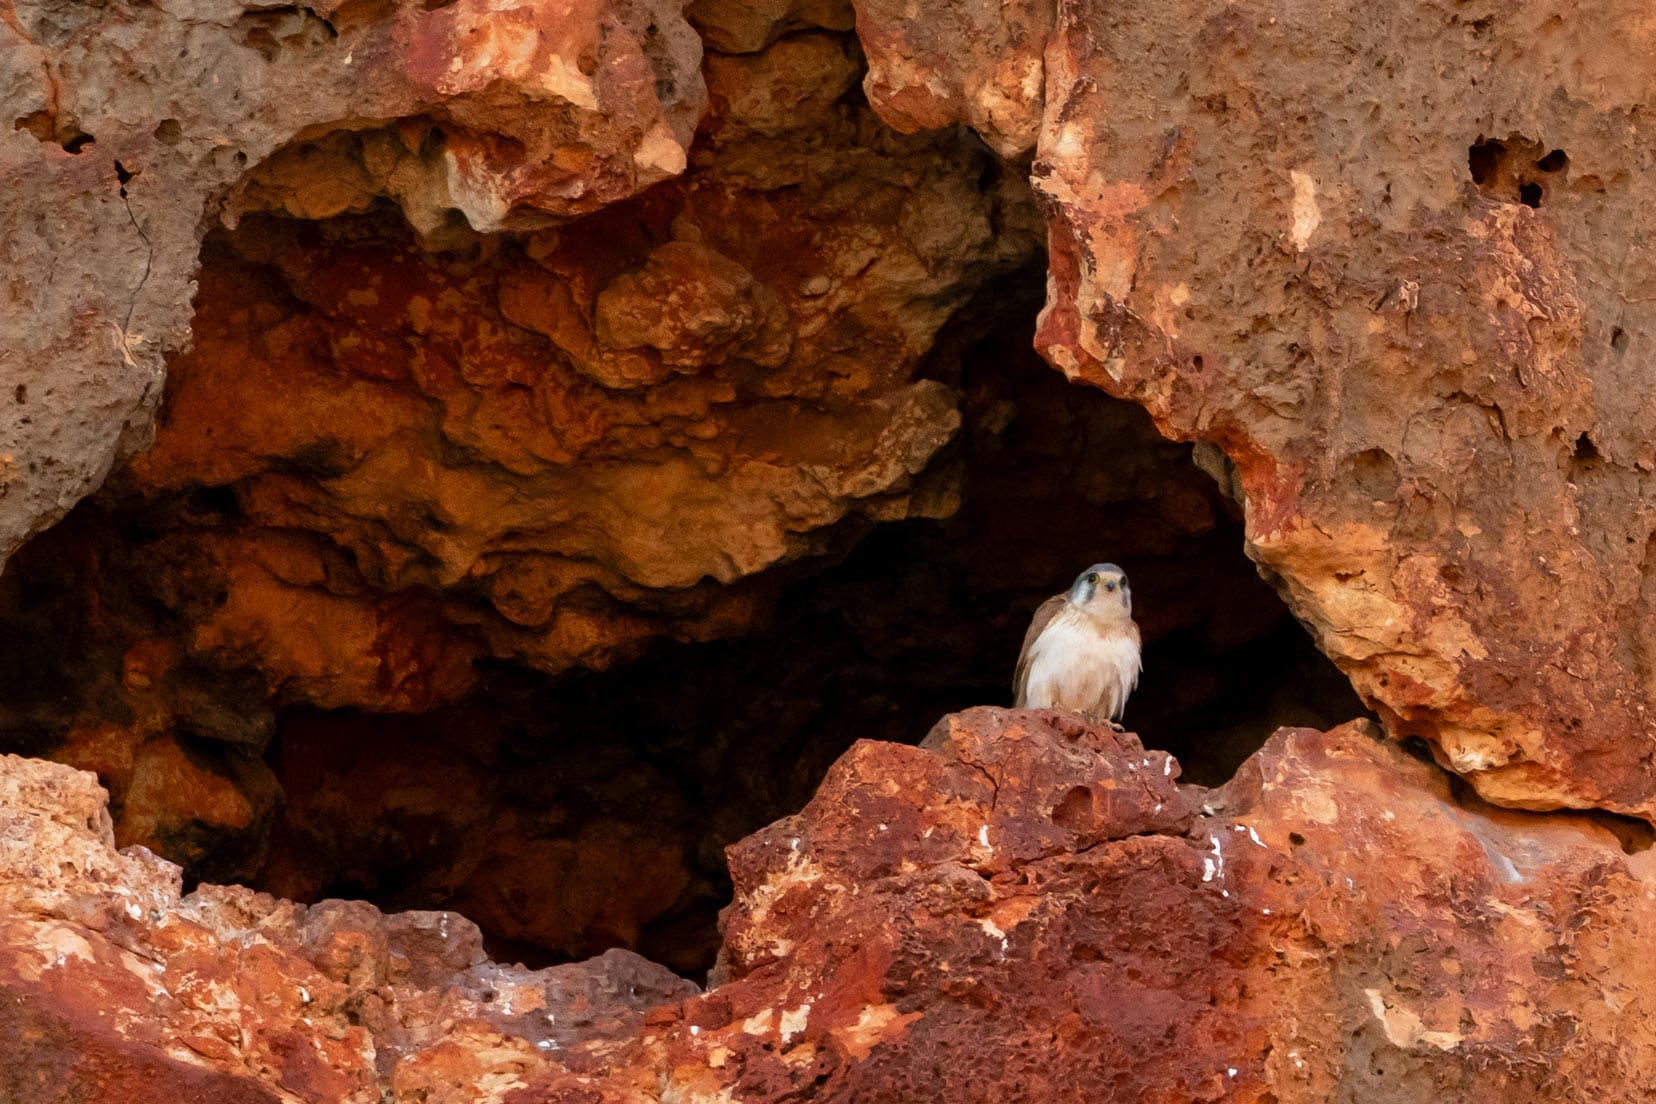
column 570, row 813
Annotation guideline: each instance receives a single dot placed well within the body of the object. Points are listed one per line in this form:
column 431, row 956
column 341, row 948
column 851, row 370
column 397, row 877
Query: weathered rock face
column 1424, row 365
column 531, row 804
column 1390, row 264
column 120, row 988
column 978, row 63
column 532, row 335
column 379, row 463
column 686, row 388
column 1022, row 908
column 394, row 454
column 129, row 130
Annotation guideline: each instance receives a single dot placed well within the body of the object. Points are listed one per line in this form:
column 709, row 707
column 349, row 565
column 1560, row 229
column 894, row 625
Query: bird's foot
column 1118, row 726
column 1094, row 719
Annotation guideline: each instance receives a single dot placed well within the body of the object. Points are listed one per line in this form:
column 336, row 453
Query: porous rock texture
column 1394, row 289
column 487, row 365
column 1022, row 908
column 977, row 62
column 392, row 451
column 130, row 129
column 119, row 987
column 1391, row 262
column 532, row 804
column 525, row 333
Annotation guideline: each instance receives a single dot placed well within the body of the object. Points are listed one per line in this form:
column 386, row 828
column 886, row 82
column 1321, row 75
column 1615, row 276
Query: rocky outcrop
column 130, row 131
column 1398, row 335
column 1021, row 908
column 525, row 335
column 1388, row 263
column 390, row 453
column 1027, row 909
column 531, row 802
column 119, row 987
column 431, row 418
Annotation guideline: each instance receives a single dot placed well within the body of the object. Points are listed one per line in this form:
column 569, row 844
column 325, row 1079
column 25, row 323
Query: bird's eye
column 1093, row 578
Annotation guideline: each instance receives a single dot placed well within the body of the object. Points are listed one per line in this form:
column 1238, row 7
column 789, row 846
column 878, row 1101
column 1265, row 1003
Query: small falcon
column 1082, row 649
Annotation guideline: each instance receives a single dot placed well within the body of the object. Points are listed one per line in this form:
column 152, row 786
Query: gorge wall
column 499, row 456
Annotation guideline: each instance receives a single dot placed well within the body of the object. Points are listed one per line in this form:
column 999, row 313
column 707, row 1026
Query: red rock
column 139, row 130
column 554, row 452
column 1411, row 346
column 1406, row 337
column 1024, row 908
column 387, row 457
column 120, row 988
column 1295, row 944
column 977, row 63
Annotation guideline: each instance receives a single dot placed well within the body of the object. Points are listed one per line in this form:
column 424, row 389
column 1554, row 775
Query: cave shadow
column 566, row 815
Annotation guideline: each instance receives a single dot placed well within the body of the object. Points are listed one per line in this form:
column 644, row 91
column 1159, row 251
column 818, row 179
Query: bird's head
column 1102, row 590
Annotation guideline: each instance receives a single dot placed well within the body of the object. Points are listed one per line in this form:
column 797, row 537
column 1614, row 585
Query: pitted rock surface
column 1389, row 265
column 395, row 454
column 979, row 62
column 132, row 130
column 1024, row 908
column 117, row 986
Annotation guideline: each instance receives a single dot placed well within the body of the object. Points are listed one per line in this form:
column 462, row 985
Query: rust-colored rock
column 1027, row 909
column 1022, row 908
column 1389, row 264
column 390, row 454
column 119, row 988
column 137, row 128
column 978, row 62
column 490, row 805
column 380, row 463
column 526, row 335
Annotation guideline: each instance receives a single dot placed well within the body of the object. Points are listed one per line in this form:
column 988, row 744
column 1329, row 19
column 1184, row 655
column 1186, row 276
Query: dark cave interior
column 567, row 815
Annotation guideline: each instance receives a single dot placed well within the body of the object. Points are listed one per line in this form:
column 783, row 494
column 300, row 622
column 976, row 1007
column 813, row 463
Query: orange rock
column 1396, row 339
column 1024, row 906
column 505, row 116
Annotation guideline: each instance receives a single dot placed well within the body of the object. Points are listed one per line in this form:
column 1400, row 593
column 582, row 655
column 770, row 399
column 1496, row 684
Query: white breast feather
column 1074, row 665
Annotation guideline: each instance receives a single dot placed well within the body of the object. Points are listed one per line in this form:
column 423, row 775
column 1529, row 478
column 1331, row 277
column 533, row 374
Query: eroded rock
column 552, row 449
column 1021, row 908
column 130, row 131
column 528, row 802
column 979, row 63
column 388, row 456
column 1027, row 909
column 1383, row 280
column 747, row 26
column 118, row 986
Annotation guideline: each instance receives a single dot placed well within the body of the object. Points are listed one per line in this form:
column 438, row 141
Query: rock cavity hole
column 1516, row 169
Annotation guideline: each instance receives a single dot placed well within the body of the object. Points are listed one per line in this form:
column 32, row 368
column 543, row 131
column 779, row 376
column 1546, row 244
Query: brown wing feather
column 1044, row 614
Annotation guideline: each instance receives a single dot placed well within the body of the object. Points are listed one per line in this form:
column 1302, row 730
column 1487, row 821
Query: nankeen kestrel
column 1082, row 649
